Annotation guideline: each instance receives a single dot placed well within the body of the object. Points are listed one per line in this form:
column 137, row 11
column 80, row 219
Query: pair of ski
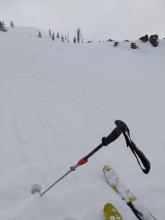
column 111, row 213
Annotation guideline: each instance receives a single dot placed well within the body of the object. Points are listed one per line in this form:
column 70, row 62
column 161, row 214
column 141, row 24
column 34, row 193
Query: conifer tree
column 39, row 35
column 67, row 38
column 53, row 37
column 62, row 39
column 2, row 26
column 58, row 35
column 74, row 39
column 78, row 32
column 12, row 24
column 50, row 33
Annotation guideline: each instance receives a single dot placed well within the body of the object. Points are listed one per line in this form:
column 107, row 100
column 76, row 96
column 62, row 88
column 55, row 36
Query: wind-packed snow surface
column 57, row 102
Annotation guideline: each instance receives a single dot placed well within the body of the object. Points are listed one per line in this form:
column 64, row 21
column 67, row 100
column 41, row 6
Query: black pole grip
column 112, row 136
column 122, row 126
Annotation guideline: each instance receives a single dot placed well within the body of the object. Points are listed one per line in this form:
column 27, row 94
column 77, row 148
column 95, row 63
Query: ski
column 134, row 204
column 111, row 212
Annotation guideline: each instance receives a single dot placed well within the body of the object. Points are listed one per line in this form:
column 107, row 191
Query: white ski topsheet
column 114, row 181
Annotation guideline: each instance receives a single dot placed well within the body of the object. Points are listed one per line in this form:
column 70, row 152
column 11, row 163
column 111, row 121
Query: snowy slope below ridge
column 57, row 101
column 25, row 32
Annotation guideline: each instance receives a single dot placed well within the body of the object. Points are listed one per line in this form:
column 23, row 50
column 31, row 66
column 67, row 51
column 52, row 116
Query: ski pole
column 105, row 141
column 121, row 128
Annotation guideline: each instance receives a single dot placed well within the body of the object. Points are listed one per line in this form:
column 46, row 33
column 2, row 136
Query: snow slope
column 57, row 101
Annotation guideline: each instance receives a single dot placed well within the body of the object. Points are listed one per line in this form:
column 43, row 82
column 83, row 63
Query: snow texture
column 57, row 101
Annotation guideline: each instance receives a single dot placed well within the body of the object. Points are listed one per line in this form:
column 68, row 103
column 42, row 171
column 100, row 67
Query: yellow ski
column 111, row 212
column 113, row 180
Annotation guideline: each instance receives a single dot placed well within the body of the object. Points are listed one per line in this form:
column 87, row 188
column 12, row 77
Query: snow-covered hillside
column 57, row 102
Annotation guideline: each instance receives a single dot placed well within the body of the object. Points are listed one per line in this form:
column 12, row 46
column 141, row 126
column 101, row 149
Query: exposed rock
column 126, row 40
column 144, row 38
column 110, row 40
column 116, row 44
column 154, row 40
column 133, row 46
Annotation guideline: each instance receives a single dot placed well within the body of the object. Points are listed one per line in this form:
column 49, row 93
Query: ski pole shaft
column 62, row 177
column 105, row 141
column 94, row 151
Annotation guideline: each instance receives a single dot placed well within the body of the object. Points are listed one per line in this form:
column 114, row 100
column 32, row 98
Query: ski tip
column 106, row 168
column 111, row 212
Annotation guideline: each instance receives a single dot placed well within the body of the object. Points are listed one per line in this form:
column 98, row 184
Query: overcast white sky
column 98, row 19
